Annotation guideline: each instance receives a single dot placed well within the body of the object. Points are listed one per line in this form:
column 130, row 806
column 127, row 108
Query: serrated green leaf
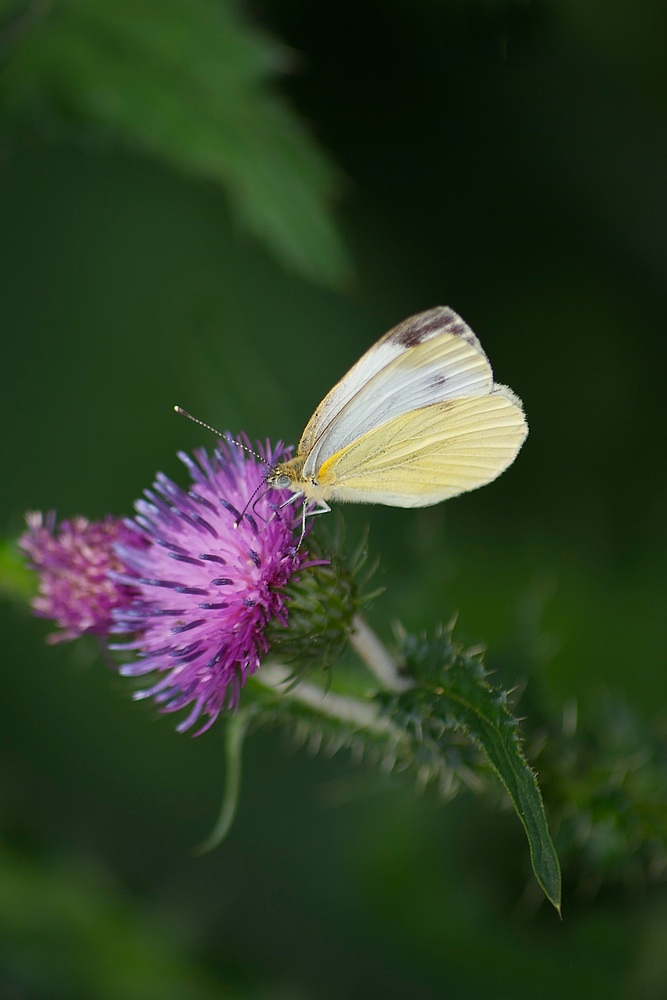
column 188, row 81
column 417, row 727
column 482, row 711
column 452, row 691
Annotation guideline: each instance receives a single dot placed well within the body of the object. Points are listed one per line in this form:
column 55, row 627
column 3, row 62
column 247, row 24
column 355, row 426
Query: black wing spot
column 437, row 381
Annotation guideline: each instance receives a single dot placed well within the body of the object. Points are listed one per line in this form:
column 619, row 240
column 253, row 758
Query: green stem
column 237, row 726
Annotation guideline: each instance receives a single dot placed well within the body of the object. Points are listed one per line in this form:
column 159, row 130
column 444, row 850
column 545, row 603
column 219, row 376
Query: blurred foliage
column 16, row 580
column 65, row 932
column 606, row 779
column 188, row 81
column 508, row 158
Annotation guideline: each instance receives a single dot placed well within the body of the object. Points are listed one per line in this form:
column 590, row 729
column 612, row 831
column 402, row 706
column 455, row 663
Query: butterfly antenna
column 223, row 437
column 230, row 440
column 251, row 500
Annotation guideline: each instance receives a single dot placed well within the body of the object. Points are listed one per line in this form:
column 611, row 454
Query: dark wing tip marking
column 417, row 329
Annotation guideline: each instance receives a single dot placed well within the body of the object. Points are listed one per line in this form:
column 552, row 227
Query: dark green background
column 507, row 159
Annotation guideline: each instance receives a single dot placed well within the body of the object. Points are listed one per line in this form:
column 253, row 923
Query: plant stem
column 354, row 711
column 377, row 658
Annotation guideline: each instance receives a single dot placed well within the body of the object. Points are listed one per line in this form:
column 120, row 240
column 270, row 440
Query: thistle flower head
column 207, row 582
column 73, row 562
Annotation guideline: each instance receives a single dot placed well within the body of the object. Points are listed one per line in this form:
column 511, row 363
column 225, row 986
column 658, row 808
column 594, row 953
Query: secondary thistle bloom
column 208, row 582
column 73, row 563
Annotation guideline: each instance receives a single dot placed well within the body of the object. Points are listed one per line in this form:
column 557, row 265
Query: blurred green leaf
column 187, row 81
column 16, row 580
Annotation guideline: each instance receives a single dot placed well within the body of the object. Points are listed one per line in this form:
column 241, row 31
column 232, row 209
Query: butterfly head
column 287, row 475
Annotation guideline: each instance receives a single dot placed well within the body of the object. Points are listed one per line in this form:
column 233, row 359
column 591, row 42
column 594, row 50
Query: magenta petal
column 207, row 584
column 74, row 561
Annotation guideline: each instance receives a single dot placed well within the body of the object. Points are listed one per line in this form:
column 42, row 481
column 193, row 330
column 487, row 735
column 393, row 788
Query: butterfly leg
column 310, row 510
column 292, row 499
column 322, row 508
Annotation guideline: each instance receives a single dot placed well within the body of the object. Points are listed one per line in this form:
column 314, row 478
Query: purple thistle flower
column 208, row 582
column 73, row 563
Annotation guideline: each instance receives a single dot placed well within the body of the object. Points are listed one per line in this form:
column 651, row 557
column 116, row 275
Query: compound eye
column 282, row 482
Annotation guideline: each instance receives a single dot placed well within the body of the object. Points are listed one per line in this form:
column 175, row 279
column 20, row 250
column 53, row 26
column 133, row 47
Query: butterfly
column 416, row 420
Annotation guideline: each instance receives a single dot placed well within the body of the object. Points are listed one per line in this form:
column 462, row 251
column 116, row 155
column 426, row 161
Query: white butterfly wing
column 428, row 455
column 429, row 358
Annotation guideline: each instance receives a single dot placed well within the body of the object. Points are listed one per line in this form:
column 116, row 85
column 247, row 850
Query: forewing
column 428, row 455
column 427, row 359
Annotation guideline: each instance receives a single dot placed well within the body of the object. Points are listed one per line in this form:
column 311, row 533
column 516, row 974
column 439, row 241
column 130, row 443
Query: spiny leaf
column 452, row 689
